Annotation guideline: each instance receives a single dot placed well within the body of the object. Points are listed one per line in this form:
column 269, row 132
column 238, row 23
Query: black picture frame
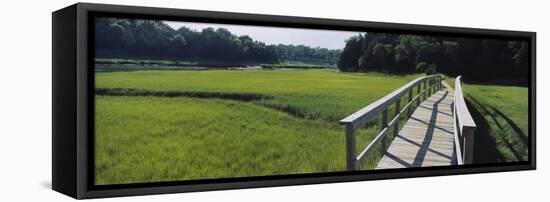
column 73, row 101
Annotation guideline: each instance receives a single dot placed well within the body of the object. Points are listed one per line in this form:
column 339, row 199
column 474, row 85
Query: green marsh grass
column 292, row 129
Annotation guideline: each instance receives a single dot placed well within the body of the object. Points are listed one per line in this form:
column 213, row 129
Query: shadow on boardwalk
column 426, row 139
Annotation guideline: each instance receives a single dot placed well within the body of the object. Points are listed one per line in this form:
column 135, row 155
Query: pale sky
column 276, row 35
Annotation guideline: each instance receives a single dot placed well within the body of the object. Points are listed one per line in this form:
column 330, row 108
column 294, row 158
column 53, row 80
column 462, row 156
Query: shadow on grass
column 522, row 136
column 485, row 146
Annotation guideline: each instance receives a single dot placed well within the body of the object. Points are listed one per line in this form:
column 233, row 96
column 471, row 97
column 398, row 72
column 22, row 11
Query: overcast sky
column 275, row 35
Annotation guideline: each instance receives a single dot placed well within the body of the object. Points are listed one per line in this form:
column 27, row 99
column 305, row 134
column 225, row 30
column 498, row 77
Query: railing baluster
column 434, row 82
column 433, row 86
column 409, row 110
column 397, row 109
column 383, row 125
column 418, row 93
column 430, row 88
column 424, row 92
column 468, row 136
column 350, row 147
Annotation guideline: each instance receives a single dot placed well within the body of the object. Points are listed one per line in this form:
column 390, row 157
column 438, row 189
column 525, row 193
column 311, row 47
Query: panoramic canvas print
column 180, row 101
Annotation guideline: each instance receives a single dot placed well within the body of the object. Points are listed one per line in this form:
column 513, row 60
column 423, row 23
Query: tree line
column 307, row 54
column 153, row 39
column 476, row 58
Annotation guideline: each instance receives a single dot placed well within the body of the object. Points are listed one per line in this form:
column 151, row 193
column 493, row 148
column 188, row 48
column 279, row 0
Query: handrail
column 369, row 113
column 464, row 126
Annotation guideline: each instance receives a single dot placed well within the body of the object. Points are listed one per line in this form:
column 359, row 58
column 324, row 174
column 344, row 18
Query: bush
column 423, row 67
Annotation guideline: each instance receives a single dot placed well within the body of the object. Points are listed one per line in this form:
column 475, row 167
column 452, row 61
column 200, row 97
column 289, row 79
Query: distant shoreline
column 106, row 65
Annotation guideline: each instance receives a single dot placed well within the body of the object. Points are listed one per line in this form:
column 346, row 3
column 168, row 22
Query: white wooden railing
column 426, row 86
column 464, row 127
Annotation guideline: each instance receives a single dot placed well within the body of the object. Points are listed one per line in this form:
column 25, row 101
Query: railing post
column 430, row 87
column 397, row 109
column 440, row 83
column 350, row 147
column 384, row 124
column 409, row 110
column 436, row 83
column 468, row 136
column 434, row 88
column 424, row 93
column 419, row 96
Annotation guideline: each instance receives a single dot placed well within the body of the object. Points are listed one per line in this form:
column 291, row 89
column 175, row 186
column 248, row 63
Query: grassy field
column 501, row 114
column 181, row 125
column 143, row 139
column 505, row 111
column 315, row 94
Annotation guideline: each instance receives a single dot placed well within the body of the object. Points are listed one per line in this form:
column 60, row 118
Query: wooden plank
column 419, row 139
column 403, row 145
column 427, row 138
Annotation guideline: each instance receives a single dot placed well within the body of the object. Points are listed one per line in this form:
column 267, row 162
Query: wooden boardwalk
column 427, row 138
